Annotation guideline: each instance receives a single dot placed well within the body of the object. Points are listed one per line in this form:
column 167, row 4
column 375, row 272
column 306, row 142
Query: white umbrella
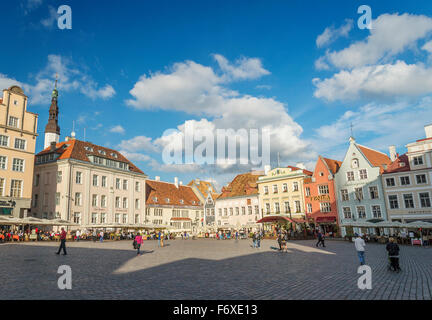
column 419, row 224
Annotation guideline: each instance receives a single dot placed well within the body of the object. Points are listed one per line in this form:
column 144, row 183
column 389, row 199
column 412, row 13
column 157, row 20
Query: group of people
column 392, row 249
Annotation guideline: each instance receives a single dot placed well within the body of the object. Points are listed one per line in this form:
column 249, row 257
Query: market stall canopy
column 280, row 219
column 419, row 224
column 62, row 222
column 36, row 221
column 10, row 221
column 359, row 224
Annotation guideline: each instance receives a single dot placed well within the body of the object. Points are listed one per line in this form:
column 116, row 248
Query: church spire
column 52, row 129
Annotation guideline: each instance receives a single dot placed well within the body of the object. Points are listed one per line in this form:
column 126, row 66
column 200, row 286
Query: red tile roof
column 242, row 185
column 306, row 172
column 76, row 149
column 157, row 193
column 376, row 158
column 203, row 186
column 333, row 165
column 395, row 166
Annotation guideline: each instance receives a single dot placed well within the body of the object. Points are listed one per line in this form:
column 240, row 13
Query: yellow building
column 18, row 132
column 281, row 195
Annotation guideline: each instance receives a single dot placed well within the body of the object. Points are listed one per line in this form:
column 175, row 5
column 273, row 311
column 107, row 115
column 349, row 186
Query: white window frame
column 23, row 165
column 397, row 199
column 23, row 140
column 430, row 200
column 350, row 211
column 421, row 174
column 358, row 213
column 372, row 211
column 412, row 198
column 6, row 163
column 1, row 141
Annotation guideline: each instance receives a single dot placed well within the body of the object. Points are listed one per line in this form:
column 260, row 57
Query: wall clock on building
column 354, row 163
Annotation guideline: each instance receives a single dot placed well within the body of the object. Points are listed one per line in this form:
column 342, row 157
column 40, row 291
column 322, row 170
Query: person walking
column 78, row 234
column 101, row 236
column 320, row 239
column 259, row 240
column 254, row 240
column 279, row 240
column 360, row 247
column 393, row 254
column 62, row 242
column 159, row 238
column 94, row 235
column 139, row 242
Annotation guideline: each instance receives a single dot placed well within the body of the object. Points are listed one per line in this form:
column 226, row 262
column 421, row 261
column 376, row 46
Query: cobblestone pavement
column 210, row 269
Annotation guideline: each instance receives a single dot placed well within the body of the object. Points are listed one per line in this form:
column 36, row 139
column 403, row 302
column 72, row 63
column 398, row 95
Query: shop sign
column 320, row 198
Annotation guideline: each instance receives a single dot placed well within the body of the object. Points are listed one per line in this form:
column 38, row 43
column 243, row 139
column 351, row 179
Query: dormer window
column 167, row 200
column 181, row 201
column 155, row 199
column 401, row 164
column 102, row 152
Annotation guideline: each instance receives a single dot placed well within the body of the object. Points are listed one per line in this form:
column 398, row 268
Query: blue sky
column 129, row 70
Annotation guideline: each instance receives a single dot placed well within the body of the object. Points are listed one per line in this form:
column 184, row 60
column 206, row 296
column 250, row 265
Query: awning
column 180, row 219
column 273, row 219
column 280, row 219
column 325, row 219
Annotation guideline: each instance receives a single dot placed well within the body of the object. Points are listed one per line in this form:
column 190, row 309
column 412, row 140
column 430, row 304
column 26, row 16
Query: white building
column 408, row 182
column 237, row 207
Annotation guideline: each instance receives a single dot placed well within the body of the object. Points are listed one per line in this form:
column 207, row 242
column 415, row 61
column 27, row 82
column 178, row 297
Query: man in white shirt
column 78, row 234
column 360, row 247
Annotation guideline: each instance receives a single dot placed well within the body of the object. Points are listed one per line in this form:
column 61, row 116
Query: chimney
column 428, row 131
column 392, row 152
column 176, row 182
column 53, row 146
column 300, row 165
column 181, row 183
column 267, row 168
column 197, row 181
column 157, row 178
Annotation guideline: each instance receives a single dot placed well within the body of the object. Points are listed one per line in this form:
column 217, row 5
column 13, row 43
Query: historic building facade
column 281, row 194
column 206, row 192
column 359, row 188
column 173, row 206
column 320, row 197
column 237, row 207
column 18, row 132
column 408, row 182
column 85, row 183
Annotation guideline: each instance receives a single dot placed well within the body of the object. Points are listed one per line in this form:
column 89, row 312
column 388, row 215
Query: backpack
column 134, row 244
column 393, row 250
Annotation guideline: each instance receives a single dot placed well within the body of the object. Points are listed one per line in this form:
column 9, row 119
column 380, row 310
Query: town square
column 216, row 150
column 208, row 269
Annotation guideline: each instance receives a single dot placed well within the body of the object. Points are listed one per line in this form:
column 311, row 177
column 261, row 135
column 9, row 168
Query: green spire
column 55, row 91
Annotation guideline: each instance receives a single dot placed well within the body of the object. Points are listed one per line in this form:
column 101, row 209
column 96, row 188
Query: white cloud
column 197, row 90
column 135, row 156
column 331, row 34
column 242, row 69
column 387, row 81
column 70, row 79
column 31, row 5
column 391, row 35
column 49, row 22
column 377, row 126
column 6, row 82
column 117, row 129
column 102, row 93
column 139, row 143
